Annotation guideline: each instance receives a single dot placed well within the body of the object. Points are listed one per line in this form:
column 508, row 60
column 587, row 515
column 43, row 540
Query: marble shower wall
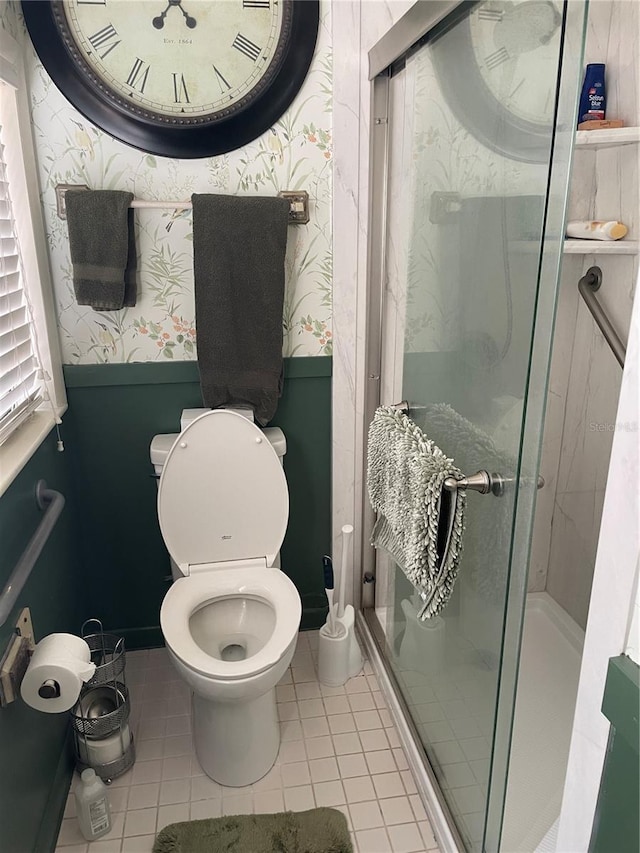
column 357, row 26
column 613, row 616
column 297, row 155
column 585, row 377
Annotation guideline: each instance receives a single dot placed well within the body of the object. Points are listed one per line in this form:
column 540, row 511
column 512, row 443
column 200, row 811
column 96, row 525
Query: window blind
column 19, row 384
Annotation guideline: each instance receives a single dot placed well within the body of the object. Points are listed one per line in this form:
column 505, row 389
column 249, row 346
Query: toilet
column 230, row 619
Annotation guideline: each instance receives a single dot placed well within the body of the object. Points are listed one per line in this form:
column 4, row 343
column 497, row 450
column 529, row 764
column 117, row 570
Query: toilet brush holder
column 333, row 656
column 355, row 662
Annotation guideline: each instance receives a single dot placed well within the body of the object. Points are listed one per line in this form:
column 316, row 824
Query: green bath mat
column 315, row 831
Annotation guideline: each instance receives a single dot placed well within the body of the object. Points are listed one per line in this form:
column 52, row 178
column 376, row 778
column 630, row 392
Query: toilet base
column 236, row 743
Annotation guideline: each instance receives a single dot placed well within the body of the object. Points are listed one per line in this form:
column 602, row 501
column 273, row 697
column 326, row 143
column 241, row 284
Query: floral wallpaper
column 294, row 154
column 9, row 19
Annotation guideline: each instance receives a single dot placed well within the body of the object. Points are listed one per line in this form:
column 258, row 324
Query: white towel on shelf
column 418, row 524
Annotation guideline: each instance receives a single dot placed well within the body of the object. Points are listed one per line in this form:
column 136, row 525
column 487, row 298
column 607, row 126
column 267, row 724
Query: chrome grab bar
column 52, row 503
column 484, row 483
column 588, row 286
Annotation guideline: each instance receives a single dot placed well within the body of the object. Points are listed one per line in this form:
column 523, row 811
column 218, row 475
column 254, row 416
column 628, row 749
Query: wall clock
column 179, row 78
column 498, row 70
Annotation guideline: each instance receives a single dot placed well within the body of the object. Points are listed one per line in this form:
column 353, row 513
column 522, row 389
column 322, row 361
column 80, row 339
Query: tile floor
column 339, row 748
column 451, row 695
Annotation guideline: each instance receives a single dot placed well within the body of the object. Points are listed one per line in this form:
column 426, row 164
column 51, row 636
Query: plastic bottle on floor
column 92, row 805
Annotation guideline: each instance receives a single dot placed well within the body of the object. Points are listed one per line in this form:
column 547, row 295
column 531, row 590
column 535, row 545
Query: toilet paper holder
column 100, row 718
column 49, row 689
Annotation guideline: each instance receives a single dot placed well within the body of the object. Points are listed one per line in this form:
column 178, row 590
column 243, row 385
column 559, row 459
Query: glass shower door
column 476, row 184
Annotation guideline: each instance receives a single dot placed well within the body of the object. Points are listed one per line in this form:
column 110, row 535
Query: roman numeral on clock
column 490, row 14
column 496, row 58
column 221, row 81
column 180, row 89
column 105, row 38
column 250, row 50
column 256, row 4
column 138, row 75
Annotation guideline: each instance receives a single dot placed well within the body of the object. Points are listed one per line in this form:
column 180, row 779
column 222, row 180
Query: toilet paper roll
column 59, row 665
column 65, row 645
column 105, row 750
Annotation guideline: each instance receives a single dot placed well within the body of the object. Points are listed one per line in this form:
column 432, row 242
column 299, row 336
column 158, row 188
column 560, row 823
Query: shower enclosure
column 474, row 114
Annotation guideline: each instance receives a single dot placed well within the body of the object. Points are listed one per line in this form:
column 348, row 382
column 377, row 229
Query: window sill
column 22, row 444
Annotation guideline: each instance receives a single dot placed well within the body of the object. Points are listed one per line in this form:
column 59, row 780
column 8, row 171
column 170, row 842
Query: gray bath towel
column 419, row 523
column 239, row 246
column 102, row 248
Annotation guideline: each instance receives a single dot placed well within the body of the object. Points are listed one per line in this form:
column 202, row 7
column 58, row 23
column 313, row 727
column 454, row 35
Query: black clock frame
column 170, row 137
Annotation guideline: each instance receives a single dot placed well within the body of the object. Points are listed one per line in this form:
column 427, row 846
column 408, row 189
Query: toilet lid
column 222, row 495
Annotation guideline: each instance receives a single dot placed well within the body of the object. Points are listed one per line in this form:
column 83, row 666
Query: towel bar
column 298, row 203
column 406, row 409
column 483, row 482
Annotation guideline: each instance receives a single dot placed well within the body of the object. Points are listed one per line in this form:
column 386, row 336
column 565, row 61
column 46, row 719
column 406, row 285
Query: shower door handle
column 483, row 482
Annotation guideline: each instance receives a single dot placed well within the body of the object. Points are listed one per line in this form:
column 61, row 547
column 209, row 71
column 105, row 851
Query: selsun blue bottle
column 592, row 99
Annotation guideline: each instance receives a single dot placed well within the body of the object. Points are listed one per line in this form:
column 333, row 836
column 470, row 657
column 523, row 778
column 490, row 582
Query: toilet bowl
column 230, row 621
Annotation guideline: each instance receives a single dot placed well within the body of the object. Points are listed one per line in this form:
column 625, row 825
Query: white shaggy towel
column 419, row 524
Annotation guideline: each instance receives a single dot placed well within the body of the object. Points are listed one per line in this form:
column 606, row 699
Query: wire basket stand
column 100, row 718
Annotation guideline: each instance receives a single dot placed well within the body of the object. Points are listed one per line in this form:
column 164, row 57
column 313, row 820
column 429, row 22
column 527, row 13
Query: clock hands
column 158, row 22
column 523, row 28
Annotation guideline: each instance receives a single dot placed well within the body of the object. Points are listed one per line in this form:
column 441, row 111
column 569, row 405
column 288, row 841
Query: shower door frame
column 410, row 31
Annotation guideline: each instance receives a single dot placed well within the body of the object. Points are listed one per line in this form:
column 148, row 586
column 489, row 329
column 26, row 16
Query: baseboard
column 141, row 638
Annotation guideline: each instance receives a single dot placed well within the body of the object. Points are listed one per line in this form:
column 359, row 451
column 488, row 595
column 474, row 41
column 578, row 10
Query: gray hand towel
column 102, row 248
column 239, row 245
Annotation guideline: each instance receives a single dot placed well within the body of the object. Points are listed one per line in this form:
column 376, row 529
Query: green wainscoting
column 616, row 828
column 114, row 411
column 35, row 759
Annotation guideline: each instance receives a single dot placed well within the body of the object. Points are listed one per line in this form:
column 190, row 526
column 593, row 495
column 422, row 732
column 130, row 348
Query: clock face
column 498, row 69
column 184, row 78
column 194, row 60
column 512, row 42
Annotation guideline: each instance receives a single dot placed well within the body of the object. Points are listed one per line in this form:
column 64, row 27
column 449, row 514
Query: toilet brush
column 327, row 565
column 333, row 638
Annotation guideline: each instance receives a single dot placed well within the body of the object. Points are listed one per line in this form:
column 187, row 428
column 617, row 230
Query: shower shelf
column 607, row 138
column 601, row 247
column 594, row 140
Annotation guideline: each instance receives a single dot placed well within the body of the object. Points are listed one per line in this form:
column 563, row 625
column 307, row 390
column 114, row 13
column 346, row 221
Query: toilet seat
column 187, row 595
